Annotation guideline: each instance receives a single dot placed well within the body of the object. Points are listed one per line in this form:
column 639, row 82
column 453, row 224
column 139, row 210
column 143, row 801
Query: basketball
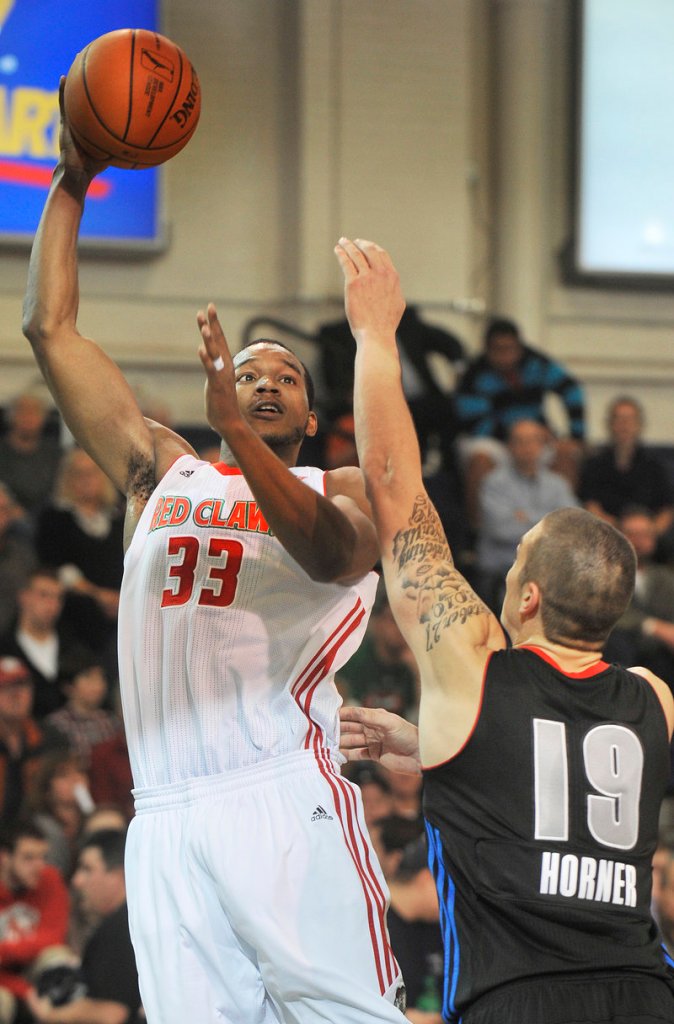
column 133, row 98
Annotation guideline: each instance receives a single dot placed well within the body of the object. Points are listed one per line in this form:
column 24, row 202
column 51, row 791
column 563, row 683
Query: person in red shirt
column 34, row 909
column 110, row 770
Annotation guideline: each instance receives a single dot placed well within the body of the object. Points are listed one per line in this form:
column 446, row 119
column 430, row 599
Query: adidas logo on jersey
column 320, row 814
column 186, row 472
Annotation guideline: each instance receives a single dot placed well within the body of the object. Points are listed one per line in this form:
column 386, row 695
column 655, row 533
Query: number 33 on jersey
column 235, row 645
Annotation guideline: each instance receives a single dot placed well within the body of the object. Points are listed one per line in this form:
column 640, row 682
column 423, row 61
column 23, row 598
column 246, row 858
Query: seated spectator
column 625, row 473
column 59, row 803
column 81, row 534
column 28, row 457
column 507, row 383
column 108, row 968
column 423, row 347
column 375, row 789
column 406, row 793
column 383, row 672
column 339, row 445
column 105, row 817
column 34, row 908
column 83, row 722
column 40, row 637
column 391, row 835
column 660, row 864
column 644, row 634
column 17, row 559
column 512, row 499
column 110, row 769
column 82, row 924
column 664, row 908
column 22, row 742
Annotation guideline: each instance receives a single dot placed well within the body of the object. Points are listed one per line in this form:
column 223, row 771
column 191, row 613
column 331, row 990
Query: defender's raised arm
column 448, row 627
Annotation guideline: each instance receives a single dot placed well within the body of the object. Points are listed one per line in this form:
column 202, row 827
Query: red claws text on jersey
column 175, row 509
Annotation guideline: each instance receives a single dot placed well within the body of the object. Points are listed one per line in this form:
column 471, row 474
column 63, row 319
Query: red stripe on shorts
column 358, row 847
column 391, row 963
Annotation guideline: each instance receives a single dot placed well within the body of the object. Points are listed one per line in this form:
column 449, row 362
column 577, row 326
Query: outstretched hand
column 73, row 156
column 372, row 734
column 373, row 299
column 222, row 406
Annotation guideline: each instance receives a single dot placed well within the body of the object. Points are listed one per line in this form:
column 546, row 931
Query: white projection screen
column 624, row 173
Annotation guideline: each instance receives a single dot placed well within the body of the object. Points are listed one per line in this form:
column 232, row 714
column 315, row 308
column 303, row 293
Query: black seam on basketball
column 84, row 141
column 129, row 105
column 116, row 158
column 131, row 145
column 173, row 99
column 93, row 108
column 86, row 88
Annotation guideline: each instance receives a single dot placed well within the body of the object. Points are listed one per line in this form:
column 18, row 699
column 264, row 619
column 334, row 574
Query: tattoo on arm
column 424, row 563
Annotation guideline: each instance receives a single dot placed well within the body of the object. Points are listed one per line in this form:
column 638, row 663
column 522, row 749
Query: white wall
column 615, row 341
column 376, row 118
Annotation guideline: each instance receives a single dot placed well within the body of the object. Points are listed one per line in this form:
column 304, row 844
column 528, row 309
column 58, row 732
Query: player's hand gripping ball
column 132, row 98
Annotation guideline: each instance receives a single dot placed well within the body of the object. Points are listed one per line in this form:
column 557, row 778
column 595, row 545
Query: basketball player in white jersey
column 254, row 893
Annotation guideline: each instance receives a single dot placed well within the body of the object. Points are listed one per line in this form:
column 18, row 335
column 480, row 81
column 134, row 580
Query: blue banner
column 38, row 42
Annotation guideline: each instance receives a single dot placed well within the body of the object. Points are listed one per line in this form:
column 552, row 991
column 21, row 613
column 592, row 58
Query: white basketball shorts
column 256, row 897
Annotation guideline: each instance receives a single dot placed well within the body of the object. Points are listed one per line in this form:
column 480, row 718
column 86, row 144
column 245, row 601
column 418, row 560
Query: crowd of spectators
column 65, row 779
column 64, row 770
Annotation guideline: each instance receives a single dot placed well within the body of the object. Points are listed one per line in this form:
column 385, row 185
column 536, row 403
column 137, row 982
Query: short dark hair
column 18, row 829
column 585, row 569
column 366, row 773
column 643, row 511
column 626, row 400
column 396, row 832
column 308, row 379
column 47, row 572
column 499, row 325
column 111, row 842
column 77, row 661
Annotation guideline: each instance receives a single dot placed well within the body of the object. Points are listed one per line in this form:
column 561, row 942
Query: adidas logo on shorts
column 321, row 814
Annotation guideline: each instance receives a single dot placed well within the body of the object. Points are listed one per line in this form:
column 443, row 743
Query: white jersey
column 227, row 648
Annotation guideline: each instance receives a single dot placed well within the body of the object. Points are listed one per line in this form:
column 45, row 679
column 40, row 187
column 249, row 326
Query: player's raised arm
column 88, row 388
column 448, row 627
column 331, row 536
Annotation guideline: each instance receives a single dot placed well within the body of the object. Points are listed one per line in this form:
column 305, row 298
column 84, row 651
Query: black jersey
column 542, row 827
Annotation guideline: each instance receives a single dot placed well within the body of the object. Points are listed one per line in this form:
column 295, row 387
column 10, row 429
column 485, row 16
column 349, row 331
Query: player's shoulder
column 662, row 692
column 347, row 480
column 167, row 447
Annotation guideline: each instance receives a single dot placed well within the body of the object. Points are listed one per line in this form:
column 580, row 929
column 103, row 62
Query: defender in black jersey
column 544, row 767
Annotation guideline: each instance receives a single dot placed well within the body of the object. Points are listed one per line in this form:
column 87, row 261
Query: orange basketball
column 132, row 97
